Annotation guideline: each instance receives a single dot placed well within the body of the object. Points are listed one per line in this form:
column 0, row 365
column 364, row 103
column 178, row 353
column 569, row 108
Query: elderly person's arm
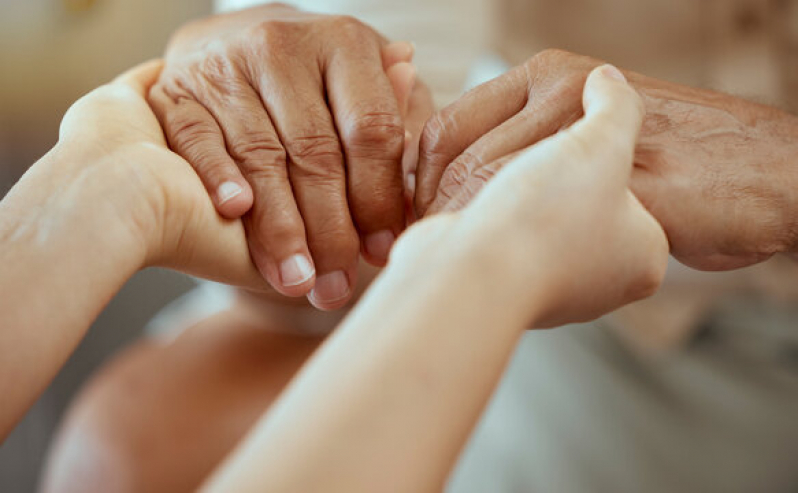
column 391, row 398
column 718, row 172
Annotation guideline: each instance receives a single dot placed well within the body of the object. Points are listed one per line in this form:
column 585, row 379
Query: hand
column 111, row 136
column 698, row 165
column 295, row 115
column 558, row 224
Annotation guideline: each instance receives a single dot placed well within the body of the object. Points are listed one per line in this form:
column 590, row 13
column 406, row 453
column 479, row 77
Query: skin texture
column 703, row 165
column 449, row 317
column 420, row 383
column 57, row 239
column 297, row 117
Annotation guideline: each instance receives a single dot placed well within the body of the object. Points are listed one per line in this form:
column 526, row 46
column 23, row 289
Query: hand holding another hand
column 557, row 235
column 716, row 171
column 302, row 118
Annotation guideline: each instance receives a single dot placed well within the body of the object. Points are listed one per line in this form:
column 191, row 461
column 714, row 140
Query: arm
column 390, row 399
column 717, row 172
column 65, row 252
column 108, row 200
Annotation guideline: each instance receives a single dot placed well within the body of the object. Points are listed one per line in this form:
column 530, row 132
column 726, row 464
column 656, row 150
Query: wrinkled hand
column 558, row 224
column 111, row 133
column 300, row 117
column 713, row 169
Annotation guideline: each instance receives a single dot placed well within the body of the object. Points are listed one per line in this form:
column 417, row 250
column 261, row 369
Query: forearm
column 393, row 395
column 64, row 252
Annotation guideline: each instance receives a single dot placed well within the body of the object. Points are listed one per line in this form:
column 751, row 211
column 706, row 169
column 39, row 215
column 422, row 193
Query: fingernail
column 295, row 270
column 411, row 183
column 329, row 289
column 378, row 245
column 227, row 191
column 612, row 72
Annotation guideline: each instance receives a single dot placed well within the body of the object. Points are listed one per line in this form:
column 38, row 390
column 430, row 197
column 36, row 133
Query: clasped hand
column 557, row 226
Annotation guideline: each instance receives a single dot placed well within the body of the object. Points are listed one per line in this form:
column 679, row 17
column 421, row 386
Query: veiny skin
column 297, row 109
column 704, row 165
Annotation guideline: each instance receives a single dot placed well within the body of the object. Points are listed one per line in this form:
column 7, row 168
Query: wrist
column 103, row 195
column 458, row 265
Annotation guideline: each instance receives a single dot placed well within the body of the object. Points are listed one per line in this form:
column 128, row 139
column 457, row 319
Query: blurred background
column 53, row 51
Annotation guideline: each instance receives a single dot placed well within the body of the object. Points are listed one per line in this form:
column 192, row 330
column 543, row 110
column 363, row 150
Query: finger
column 605, row 138
column 402, row 76
column 463, row 194
column 193, row 133
column 397, row 52
column 318, row 178
column 451, row 131
column 650, row 257
column 275, row 228
column 534, row 123
column 372, row 131
column 141, row 77
column 614, row 113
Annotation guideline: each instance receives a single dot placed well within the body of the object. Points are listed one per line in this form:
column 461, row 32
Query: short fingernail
column 378, row 245
column 411, row 183
column 330, row 288
column 612, row 72
column 227, row 191
column 295, row 270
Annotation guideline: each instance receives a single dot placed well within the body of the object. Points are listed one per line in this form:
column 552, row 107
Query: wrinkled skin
column 713, row 169
column 301, row 118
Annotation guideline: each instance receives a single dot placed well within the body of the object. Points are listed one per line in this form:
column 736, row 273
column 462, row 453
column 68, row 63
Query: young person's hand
column 393, row 394
column 299, row 117
column 111, row 140
column 559, row 223
column 716, row 171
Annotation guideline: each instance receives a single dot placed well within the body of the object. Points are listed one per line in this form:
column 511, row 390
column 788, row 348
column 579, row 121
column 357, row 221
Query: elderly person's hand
column 716, row 171
column 559, row 224
column 298, row 116
column 557, row 236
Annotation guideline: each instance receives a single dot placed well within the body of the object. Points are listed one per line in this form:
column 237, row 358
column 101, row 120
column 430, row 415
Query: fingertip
column 233, row 199
column 398, row 51
column 377, row 247
column 332, row 290
column 142, row 76
column 402, row 77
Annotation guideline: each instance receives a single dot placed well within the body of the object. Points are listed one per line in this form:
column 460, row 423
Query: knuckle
column 263, row 175
column 316, row 155
column 335, row 236
column 217, row 68
column 552, row 55
column 258, row 150
column 275, row 228
column 454, row 178
column 189, row 135
column 349, row 26
column 270, row 32
column 433, row 137
column 376, row 130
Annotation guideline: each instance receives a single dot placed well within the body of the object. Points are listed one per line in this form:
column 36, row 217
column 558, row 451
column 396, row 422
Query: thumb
column 141, row 77
column 614, row 114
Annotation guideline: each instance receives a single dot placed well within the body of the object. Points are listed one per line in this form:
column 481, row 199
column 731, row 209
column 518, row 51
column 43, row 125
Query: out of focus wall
column 51, row 52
